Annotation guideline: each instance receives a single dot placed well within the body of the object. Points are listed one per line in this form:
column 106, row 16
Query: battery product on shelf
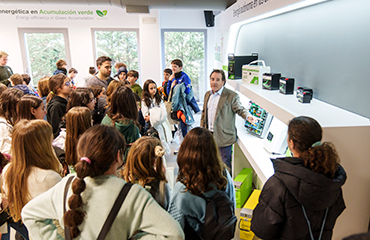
column 259, row 128
column 304, row 94
column 270, row 81
column 286, row 85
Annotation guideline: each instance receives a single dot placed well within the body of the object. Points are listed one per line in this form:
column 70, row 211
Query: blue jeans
column 225, row 153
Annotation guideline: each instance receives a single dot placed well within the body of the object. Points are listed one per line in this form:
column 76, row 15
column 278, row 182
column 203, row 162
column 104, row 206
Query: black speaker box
column 210, row 18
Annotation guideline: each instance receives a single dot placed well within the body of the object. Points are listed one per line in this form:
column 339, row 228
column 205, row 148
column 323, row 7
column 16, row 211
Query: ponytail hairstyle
column 31, row 147
column 78, row 120
column 200, row 162
column 306, row 133
column 144, row 161
column 146, row 95
column 55, row 82
column 9, row 100
column 80, row 97
column 97, row 149
column 25, row 105
column 123, row 105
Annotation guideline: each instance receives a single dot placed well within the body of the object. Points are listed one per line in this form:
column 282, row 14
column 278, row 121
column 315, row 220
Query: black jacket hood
column 313, row 190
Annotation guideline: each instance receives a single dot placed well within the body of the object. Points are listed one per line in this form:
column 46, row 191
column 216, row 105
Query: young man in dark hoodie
column 61, row 67
column 16, row 81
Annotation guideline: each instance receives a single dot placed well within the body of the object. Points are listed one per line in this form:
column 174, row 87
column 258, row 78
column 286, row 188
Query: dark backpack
column 219, row 221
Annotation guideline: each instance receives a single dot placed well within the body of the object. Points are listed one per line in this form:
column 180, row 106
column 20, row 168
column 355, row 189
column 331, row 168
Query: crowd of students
column 62, row 177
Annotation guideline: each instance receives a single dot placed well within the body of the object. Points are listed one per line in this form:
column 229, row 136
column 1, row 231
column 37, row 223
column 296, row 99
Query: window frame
column 24, row 53
column 202, row 89
column 93, row 30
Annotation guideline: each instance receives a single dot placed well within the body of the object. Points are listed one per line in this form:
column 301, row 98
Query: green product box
column 243, row 186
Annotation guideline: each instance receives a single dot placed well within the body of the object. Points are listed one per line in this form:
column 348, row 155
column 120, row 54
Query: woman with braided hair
column 92, row 194
column 303, row 199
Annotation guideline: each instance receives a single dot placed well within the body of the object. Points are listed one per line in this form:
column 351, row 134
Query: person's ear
column 291, row 144
column 33, row 111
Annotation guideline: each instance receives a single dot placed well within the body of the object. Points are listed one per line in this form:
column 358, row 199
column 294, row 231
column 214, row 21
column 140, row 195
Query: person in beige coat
column 218, row 115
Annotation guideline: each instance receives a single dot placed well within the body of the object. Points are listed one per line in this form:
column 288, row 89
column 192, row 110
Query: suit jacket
column 224, row 130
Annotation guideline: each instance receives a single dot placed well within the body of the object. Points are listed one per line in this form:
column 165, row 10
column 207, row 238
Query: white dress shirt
column 212, row 107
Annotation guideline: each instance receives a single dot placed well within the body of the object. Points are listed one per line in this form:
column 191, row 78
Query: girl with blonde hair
column 144, row 166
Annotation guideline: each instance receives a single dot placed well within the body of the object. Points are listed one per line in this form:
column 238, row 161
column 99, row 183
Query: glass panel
column 120, row 46
column 43, row 51
column 190, row 48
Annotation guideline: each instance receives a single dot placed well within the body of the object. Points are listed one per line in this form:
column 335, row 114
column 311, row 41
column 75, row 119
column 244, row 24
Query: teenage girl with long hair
column 144, row 166
column 78, row 120
column 31, row 107
column 155, row 113
column 123, row 114
column 34, row 167
column 100, row 150
column 60, row 88
column 303, row 199
column 8, row 116
column 201, row 171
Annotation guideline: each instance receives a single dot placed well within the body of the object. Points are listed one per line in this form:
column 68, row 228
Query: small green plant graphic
column 101, row 13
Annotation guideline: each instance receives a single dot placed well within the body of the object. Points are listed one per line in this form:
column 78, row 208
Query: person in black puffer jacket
column 306, row 187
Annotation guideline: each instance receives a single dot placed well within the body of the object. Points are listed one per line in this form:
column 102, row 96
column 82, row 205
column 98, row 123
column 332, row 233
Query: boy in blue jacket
column 178, row 77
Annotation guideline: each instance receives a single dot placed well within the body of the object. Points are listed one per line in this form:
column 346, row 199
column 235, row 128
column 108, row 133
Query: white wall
column 80, row 36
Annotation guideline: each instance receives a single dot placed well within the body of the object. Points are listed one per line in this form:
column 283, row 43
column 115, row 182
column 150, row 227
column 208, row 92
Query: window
column 41, row 49
column 189, row 46
column 120, row 45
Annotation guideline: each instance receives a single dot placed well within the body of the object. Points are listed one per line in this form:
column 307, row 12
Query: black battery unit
column 236, row 63
column 270, row 81
column 304, row 94
column 286, row 85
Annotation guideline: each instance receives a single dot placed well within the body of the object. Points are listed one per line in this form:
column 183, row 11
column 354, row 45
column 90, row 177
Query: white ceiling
column 214, row 5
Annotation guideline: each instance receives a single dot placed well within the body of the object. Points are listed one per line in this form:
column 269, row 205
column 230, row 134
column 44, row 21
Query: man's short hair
column 92, row 70
column 221, row 72
column 60, row 63
column 178, row 62
column 16, row 79
column 26, row 78
column 72, row 70
column 3, row 54
column 167, row 70
column 133, row 73
column 102, row 59
column 119, row 64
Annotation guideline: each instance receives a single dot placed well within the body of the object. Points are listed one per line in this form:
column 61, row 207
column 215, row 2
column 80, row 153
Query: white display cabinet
column 349, row 132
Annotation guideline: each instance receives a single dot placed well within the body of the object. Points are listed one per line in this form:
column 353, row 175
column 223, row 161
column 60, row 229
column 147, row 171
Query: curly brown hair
column 200, row 163
column 323, row 158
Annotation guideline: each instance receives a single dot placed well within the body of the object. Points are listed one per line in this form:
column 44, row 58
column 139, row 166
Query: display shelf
column 257, row 156
column 286, row 107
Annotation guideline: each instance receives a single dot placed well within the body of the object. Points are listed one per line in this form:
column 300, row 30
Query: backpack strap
column 67, row 232
column 113, row 213
column 309, row 225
